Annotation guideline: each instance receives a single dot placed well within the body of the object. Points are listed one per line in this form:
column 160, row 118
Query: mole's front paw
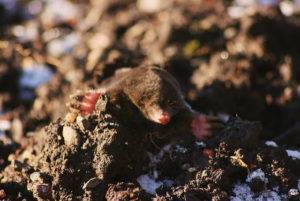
column 203, row 126
column 83, row 102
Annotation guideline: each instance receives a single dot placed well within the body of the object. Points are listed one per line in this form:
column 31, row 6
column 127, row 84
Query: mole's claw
column 203, row 126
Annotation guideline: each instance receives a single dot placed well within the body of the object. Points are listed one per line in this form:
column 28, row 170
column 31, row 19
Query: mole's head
column 155, row 92
column 162, row 102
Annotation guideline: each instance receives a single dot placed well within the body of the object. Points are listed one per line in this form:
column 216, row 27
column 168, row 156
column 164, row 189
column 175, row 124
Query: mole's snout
column 164, row 119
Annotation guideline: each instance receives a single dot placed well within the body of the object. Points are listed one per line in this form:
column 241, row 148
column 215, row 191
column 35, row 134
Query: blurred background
column 238, row 57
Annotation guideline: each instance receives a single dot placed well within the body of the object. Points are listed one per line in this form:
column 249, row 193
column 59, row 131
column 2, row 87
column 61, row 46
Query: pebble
column 102, row 103
column 70, row 117
column 149, row 6
column 83, row 123
column 71, row 136
column 17, row 129
column 35, row 176
column 92, row 183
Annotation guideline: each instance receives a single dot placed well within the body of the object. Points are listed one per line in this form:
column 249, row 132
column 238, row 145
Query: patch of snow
column 271, row 143
column 200, row 143
column 243, row 193
column 293, row 192
column 168, row 182
column 223, row 116
column 148, row 183
column 257, row 174
column 293, row 153
column 180, row 149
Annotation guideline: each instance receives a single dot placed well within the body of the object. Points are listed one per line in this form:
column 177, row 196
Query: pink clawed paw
column 200, row 127
column 83, row 102
column 88, row 103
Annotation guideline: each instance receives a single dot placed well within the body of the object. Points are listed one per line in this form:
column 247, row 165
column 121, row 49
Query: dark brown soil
column 245, row 70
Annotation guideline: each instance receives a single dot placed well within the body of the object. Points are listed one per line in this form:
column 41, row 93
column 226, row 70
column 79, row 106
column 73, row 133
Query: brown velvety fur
column 144, row 87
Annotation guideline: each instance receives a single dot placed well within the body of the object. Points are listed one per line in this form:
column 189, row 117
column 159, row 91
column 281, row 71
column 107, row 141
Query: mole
column 154, row 93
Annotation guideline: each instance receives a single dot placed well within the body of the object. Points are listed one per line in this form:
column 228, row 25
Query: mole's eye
column 171, row 103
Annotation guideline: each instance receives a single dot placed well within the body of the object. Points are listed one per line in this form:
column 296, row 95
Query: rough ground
column 244, row 69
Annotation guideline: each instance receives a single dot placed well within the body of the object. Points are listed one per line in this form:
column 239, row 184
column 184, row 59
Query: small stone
column 35, row 176
column 11, row 157
column 2, row 193
column 83, row 123
column 230, row 32
column 92, row 183
column 17, row 130
column 71, row 136
column 102, row 103
column 149, row 6
column 192, row 169
column 70, row 117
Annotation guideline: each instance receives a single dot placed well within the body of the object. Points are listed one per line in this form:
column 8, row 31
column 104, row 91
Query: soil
column 244, row 70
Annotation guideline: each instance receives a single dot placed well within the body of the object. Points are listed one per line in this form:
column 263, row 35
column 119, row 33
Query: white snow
column 243, row 192
column 293, row 153
column 257, row 174
column 223, row 116
column 200, row 143
column 271, row 143
column 180, row 149
column 293, row 192
column 148, row 183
